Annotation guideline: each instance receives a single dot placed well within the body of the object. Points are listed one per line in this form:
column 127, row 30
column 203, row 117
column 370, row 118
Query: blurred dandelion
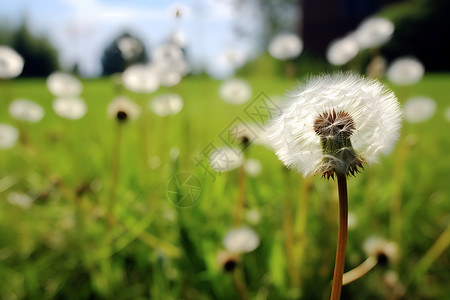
column 141, row 79
column 253, row 216
column 374, row 32
column 227, row 260
column 235, row 91
column 11, row 63
column 419, row 109
column 342, row 51
column 26, row 110
column 447, row 113
column 252, row 167
column 332, row 125
column 225, row 159
column 70, row 107
column 64, row 85
column 241, row 240
column 8, row 136
column 123, row 109
column 167, row 104
column 405, row 71
column 129, row 47
column 285, row 46
column 384, row 251
column 20, row 199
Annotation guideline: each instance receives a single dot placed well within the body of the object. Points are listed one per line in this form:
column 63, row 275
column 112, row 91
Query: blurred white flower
column 241, row 240
column 11, row 63
column 167, row 104
column 154, row 162
column 225, row 159
column 252, row 167
column 377, row 67
column 342, row 51
column 447, row 113
column 334, row 123
column 26, row 110
column 20, row 199
column 168, row 52
column 405, row 71
column 168, row 76
column 140, row 79
column 285, row 46
column 64, row 85
column 123, row 109
column 227, row 260
column 384, row 251
column 129, row 47
column 419, row 109
column 70, row 107
column 232, row 57
column 235, row 91
column 253, row 216
column 374, row 32
column 177, row 38
column 8, row 136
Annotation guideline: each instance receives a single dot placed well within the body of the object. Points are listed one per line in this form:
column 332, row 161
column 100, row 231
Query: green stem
column 342, row 238
column 114, row 173
column 360, row 270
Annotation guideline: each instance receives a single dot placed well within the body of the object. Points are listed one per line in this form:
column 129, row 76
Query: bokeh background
column 143, row 172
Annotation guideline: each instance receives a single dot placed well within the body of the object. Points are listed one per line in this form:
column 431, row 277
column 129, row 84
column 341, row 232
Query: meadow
column 69, row 245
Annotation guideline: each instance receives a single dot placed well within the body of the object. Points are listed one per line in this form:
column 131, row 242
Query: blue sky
column 80, row 29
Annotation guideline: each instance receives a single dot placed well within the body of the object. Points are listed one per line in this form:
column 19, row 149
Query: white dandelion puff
column 384, row 251
column 285, row 46
column 168, row 76
column 225, row 159
column 129, row 47
column 335, row 123
column 178, row 38
column 235, row 91
column 11, row 63
column 64, row 85
column 122, row 109
column 405, row 71
column 241, row 240
column 8, row 136
column 252, row 167
column 374, row 32
column 70, row 107
column 342, row 51
column 168, row 52
column 140, row 79
column 253, row 216
column 26, row 110
column 447, row 113
column 419, row 109
column 167, row 104
column 20, row 199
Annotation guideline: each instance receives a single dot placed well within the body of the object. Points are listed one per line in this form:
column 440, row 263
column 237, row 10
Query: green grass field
column 67, row 245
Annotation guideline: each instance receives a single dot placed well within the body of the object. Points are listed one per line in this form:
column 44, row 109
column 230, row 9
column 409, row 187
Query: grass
column 59, row 248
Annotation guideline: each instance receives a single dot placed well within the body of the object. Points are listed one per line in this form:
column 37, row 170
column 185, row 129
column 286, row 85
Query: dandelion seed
column 11, row 63
column 418, row 109
column 225, row 159
column 20, row 199
column 167, row 104
column 123, row 109
column 342, row 51
column 141, row 79
column 374, row 32
column 241, row 240
column 335, row 123
column 70, row 107
column 405, row 71
column 285, row 46
column 26, row 110
column 8, row 136
column 384, row 251
column 64, row 85
column 252, row 167
column 235, row 91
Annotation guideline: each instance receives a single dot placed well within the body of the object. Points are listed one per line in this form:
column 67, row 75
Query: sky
column 81, row 29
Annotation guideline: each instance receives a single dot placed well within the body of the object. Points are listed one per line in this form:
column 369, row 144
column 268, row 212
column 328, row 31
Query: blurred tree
column 123, row 51
column 41, row 58
column 422, row 29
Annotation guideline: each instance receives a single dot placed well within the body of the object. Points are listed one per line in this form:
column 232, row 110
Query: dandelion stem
column 289, row 234
column 342, row 237
column 114, row 173
column 238, row 212
column 240, row 284
column 360, row 270
column 144, row 132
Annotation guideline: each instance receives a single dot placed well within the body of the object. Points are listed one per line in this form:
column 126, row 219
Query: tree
column 113, row 59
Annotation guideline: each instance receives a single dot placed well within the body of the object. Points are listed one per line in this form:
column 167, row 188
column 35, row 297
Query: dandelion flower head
column 8, row 136
column 235, row 91
column 285, row 46
column 405, row 71
column 335, row 123
column 26, row 110
column 64, row 85
column 73, row 108
column 123, row 109
column 11, row 63
column 167, row 104
column 241, row 240
column 374, row 32
column 419, row 109
column 342, row 51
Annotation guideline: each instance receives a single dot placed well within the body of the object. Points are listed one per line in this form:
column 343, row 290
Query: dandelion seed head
column 141, row 79
column 26, row 110
column 419, row 109
column 64, row 85
column 405, row 71
column 374, row 32
column 129, row 47
column 285, row 46
column 342, row 51
column 70, row 107
column 385, row 251
column 235, row 91
column 227, row 260
column 225, row 159
column 167, row 104
column 335, row 123
column 20, row 199
column 8, row 136
column 252, row 167
column 123, row 109
column 11, row 63
column 241, row 240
